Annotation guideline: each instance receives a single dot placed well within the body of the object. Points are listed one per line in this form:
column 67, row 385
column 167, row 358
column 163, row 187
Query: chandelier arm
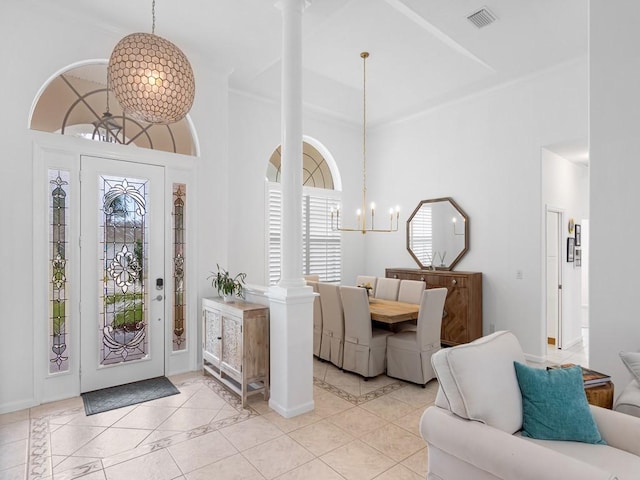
column 364, row 56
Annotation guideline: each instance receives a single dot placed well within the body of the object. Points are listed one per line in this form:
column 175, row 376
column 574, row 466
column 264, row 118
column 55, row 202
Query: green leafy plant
column 227, row 285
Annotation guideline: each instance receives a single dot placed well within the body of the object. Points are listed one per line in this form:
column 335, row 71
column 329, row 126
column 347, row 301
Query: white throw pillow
column 479, row 380
column 631, row 360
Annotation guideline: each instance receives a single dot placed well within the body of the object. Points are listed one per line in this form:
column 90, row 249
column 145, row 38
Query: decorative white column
column 291, row 301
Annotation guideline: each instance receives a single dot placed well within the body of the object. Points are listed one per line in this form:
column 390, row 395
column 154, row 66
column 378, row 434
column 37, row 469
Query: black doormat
column 111, row 398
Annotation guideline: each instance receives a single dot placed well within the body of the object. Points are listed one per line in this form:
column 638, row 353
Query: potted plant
column 228, row 286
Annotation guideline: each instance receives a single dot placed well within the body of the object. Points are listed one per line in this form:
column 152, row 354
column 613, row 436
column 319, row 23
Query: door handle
column 159, row 298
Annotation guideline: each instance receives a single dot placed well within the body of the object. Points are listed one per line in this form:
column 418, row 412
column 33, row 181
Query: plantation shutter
column 321, row 248
column 422, row 235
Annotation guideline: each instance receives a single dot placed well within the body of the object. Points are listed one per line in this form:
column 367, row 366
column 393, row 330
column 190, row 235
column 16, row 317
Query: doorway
column 122, row 272
column 553, row 256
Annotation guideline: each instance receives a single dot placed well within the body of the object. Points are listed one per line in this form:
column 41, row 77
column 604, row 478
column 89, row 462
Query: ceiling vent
column 482, row 17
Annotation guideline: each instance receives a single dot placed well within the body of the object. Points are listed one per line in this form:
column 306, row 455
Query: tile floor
column 578, row 354
column 358, row 430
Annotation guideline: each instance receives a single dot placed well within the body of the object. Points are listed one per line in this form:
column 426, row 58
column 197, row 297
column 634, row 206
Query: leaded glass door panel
column 122, row 256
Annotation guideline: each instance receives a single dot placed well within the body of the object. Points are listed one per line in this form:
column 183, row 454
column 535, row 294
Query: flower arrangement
column 227, row 285
column 368, row 287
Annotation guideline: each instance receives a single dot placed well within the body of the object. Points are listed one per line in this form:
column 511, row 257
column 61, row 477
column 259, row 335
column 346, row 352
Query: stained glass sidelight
column 179, row 307
column 58, row 234
column 123, row 234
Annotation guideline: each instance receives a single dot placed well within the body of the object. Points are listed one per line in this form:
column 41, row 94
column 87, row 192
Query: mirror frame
column 466, row 233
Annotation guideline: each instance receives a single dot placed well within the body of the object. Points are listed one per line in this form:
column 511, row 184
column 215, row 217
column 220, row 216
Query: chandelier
column 151, row 77
column 361, row 214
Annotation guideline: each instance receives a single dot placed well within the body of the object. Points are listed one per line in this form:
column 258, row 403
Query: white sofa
column 473, row 432
column 629, row 400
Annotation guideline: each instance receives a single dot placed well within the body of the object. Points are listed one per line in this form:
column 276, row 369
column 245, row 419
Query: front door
column 122, row 272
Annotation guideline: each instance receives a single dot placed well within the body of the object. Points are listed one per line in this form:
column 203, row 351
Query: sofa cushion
column 555, row 406
column 629, row 400
column 479, row 381
column 631, row 360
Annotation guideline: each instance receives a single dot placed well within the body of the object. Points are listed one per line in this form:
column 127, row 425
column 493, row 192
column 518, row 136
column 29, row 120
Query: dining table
column 392, row 313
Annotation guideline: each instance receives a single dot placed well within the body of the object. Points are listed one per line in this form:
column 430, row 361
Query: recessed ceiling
column 423, row 52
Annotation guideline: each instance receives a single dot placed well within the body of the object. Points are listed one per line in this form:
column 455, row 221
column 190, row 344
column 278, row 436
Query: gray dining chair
column 332, row 343
column 364, row 346
column 317, row 319
column 410, row 291
column 387, row 288
column 409, row 352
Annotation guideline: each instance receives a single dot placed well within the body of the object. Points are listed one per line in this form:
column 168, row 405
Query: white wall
column 565, row 186
column 484, row 151
column 614, row 152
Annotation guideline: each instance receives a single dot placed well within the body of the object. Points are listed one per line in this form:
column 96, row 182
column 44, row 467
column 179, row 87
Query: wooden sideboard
column 462, row 318
column 235, row 345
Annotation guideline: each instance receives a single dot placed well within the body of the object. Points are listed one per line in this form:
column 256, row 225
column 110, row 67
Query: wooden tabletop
column 391, row 312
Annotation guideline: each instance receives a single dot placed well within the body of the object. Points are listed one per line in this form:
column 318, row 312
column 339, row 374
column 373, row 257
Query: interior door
column 122, row 264
column 554, row 277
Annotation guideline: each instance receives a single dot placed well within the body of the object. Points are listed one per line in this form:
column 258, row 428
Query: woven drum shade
column 151, row 78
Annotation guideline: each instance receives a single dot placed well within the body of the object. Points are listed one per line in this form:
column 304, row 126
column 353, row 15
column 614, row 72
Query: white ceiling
column 423, row 52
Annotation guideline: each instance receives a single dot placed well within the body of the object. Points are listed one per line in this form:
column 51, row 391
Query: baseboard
column 15, row 406
column 291, row 412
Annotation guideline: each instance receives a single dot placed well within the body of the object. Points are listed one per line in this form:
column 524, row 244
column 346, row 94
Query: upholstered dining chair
column 364, row 346
column 366, row 279
column 312, row 278
column 409, row 352
column 332, row 343
column 317, row 319
column 387, row 288
column 410, row 291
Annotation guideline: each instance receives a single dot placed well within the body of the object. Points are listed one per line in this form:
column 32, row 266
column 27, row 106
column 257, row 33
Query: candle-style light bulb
column 373, row 206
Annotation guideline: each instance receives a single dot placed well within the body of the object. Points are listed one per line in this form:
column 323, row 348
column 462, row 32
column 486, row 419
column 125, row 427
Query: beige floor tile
column 19, row 472
column 187, row 376
column 158, row 435
column 56, row 407
column 357, row 421
column 235, row 467
column 411, row 421
column 13, row 432
column 399, row 472
column 330, row 404
column 375, row 383
column 357, row 461
column 387, row 407
column 290, row 424
column 259, row 405
column 201, row 451
column 112, row 441
column 415, row 395
column 61, row 419
column 393, row 441
column 188, row 418
column 158, row 465
column 6, row 418
column 100, row 475
column 340, row 378
column 322, row 437
column 205, row 398
column 251, row 432
column 314, row 470
column 146, row 418
column 417, row 462
column 225, row 412
column 353, row 389
column 104, row 419
column 68, row 463
column 319, row 369
column 13, row 454
column 278, row 456
column 69, row 438
column 176, row 400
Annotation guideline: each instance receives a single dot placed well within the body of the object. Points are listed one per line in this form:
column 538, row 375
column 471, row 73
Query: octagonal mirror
column 438, row 234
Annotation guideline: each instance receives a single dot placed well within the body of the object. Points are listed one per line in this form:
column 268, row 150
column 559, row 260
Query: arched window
column 77, row 102
column 320, row 193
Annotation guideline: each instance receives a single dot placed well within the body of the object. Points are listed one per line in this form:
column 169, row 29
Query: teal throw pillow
column 555, row 406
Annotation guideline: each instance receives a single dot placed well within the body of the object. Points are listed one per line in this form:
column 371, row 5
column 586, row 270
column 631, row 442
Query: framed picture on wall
column 578, row 235
column 578, row 257
column 571, row 247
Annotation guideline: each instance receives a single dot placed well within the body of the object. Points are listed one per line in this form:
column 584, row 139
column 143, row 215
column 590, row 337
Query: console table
column 462, row 317
column 235, row 345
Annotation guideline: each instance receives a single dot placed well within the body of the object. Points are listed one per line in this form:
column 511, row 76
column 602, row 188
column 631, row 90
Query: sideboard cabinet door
column 462, row 316
column 235, row 347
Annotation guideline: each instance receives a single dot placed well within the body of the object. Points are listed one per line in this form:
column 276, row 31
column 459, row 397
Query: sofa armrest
column 504, row 456
column 618, row 429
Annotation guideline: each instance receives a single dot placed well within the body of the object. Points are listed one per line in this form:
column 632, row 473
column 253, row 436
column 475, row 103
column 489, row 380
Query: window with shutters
column 321, row 245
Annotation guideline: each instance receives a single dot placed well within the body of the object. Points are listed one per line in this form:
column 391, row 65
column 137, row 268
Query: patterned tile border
column 358, row 400
column 39, row 461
